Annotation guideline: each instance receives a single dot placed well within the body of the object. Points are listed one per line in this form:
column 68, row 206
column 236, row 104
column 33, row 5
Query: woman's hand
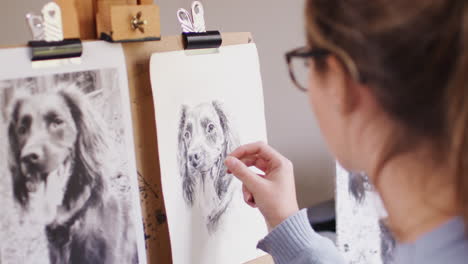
column 274, row 193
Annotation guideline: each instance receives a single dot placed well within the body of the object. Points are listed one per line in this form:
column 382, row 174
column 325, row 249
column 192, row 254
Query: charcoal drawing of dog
column 359, row 187
column 205, row 138
column 58, row 156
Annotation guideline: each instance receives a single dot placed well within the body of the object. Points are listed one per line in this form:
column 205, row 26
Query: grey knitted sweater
column 295, row 242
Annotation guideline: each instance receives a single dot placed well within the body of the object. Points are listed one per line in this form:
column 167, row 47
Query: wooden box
column 114, row 22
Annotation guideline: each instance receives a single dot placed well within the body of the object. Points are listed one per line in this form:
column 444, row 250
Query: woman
column 388, row 84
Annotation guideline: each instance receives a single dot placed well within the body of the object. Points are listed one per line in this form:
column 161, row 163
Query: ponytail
column 457, row 95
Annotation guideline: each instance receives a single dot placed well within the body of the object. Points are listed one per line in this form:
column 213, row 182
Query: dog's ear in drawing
column 20, row 191
column 231, row 142
column 187, row 179
column 91, row 148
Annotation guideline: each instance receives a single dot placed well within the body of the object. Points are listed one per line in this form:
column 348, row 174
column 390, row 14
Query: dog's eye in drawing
column 24, row 125
column 187, row 135
column 210, row 128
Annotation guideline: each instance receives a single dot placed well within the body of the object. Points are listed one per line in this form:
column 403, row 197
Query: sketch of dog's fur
column 59, row 157
column 359, row 185
column 205, row 139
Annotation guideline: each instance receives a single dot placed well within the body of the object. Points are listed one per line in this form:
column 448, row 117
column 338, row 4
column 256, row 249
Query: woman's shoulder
column 446, row 244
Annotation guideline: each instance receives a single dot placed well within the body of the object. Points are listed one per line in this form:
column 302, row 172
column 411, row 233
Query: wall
column 277, row 27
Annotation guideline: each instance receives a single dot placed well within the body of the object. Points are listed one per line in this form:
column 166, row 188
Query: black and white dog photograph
column 362, row 230
column 205, row 138
column 65, row 181
column 360, row 189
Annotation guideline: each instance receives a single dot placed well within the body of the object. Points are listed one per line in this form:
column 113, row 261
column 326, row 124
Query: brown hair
column 413, row 55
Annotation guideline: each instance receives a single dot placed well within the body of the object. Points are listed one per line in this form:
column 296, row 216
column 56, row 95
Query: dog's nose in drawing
column 195, row 159
column 32, row 157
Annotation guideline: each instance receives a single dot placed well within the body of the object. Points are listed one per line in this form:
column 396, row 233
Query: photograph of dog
column 205, row 138
column 61, row 133
column 360, row 189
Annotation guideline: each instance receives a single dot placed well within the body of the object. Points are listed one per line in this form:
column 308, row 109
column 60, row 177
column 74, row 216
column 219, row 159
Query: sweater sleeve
column 295, row 242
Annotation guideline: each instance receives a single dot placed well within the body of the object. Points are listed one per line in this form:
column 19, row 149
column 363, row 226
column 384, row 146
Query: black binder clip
column 52, row 50
column 202, row 40
column 48, row 48
column 194, row 33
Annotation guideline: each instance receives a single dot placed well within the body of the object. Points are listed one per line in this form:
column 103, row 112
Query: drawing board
column 206, row 106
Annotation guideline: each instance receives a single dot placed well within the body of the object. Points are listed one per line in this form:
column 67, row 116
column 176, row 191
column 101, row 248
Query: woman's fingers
column 243, row 173
column 272, row 192
column 256, row 161
column 248, row 197
column 259, row 148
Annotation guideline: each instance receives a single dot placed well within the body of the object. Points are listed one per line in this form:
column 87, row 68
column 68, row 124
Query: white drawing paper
column 68, row 183
column 206, row 106
column 362, row 236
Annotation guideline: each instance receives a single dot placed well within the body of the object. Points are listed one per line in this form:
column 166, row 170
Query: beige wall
column 277, row 27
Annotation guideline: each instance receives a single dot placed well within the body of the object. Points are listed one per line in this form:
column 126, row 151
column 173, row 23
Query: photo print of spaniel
column 205, row 138
column 360, row 213
column 360, row 188
column 66, row 197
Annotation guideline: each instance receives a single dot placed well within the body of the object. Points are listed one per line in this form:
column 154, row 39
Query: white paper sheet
column 63, row 116
column 226, row 83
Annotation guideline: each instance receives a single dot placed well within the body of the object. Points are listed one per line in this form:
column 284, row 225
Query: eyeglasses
column 298, row 63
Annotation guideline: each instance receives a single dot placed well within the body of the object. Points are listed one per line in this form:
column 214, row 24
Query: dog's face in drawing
column 203, row 137
column 44, row 133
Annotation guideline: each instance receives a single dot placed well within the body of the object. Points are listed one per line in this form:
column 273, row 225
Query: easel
column 137, row 57
column 79, row 22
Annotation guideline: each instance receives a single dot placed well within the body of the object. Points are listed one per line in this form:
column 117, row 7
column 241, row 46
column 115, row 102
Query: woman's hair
column 413, row 55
